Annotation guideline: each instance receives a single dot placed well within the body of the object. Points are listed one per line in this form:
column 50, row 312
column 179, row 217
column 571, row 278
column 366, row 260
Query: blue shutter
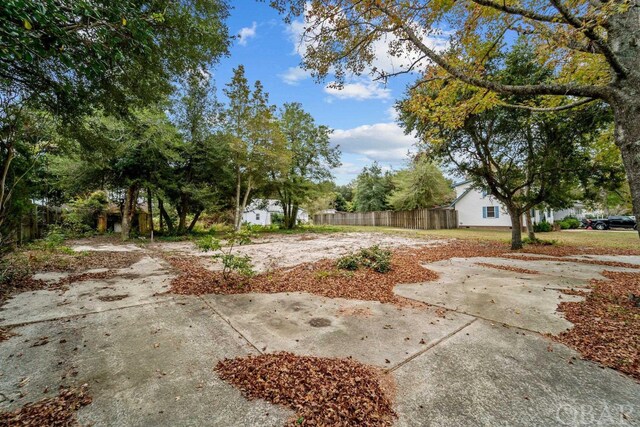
column 484, row 212
column 497, row 211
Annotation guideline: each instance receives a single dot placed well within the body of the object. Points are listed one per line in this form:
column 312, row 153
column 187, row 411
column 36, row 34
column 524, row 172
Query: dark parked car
column 619, row 221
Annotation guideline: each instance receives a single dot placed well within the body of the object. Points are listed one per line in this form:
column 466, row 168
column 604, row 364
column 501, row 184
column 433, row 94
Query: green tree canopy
column 81, row 53
column 372, row 186
column 311, row 160
column 421, row 185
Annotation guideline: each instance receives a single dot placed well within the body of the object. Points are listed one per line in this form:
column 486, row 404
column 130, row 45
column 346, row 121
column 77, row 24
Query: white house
column 579, row 211
column 259, row 212
column 476, row 208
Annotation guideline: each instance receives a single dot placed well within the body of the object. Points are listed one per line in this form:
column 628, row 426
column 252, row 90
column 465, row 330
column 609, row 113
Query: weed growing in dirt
column 231, row 263
column 374, row 257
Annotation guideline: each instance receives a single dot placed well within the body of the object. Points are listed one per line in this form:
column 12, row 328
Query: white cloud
column 294, row 75
column 384, row 142
column 359, row 91
column 392, row 113
column 348, row 168
column 247, row 33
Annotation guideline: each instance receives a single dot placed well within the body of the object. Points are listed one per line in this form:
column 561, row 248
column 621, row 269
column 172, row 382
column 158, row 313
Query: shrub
column 569, row 223
column 83, row 213
column 240, row 264
column 542, row 227
column 374, row 258
column 348, row 262
column 277, row 219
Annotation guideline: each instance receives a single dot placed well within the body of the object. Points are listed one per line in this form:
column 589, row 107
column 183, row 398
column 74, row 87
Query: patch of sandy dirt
column 283, row 251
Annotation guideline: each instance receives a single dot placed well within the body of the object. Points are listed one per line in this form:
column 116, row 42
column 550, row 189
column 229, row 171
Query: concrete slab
column 496, row 376
column 527, row 301
column 105, row 247
column 146, row 366
column 141, row 283
column 629, row 259
column 369, row 331
column 561, row 274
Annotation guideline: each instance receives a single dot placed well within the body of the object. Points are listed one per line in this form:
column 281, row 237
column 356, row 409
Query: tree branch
column 549, row 109
column 588, row 31
column 526, row 90
column 515, row 10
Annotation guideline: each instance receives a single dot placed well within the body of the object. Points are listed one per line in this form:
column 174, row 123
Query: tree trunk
column 130, row 203
column 182, row 215
column 3, row 183
column 237, row 216
column 530, row 233
column 291, row 216
column 516, row 227
column 245, row 199
column 627, row 135
column 194, row 221
column 150, row 209
column 165, row 215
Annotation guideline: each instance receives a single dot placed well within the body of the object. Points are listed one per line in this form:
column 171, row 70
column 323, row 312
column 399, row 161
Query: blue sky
column 361, row 114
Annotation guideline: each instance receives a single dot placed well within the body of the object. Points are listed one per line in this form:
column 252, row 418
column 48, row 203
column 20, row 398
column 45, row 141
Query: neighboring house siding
column 474, row 209
column 260, row 211
column 578, row 211
column 257, row 217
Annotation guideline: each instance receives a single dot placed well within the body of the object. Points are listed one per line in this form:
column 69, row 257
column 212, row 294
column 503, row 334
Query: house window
column 257, row 217
column 490, row 212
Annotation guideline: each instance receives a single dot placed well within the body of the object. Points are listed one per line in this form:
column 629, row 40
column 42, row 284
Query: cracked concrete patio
column 148, row 356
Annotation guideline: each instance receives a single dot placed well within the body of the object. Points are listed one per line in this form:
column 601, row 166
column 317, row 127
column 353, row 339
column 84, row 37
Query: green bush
column 542, row 227
column 83, row 214
column 277, row 219
column 374, row 258
column 569, row 223
column 348, row 262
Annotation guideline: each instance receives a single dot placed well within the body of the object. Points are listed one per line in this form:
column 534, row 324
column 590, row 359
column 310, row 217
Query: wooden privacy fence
column 423, row 219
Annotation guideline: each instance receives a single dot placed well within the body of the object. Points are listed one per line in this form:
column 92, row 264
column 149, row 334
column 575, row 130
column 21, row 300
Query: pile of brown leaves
column 320, row 278
column 607, row 323
column 322, row 391
column 507, row 268
column 57, row 411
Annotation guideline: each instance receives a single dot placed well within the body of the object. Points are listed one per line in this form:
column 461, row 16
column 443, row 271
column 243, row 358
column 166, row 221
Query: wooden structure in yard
column 419, row 219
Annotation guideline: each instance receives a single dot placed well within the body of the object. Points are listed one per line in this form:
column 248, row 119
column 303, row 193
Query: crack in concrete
column 79, row 315
column 227, row 321
column 476, row 316
column 430, row 346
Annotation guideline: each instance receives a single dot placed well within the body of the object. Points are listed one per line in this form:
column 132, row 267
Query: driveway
column 476, row 355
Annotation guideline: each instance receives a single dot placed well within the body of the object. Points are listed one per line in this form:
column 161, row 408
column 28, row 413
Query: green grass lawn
column 585, row 238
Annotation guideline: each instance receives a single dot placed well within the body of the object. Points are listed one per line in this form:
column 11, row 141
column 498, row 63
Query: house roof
column 457, row 199
column 269, row 205
column 458, row 184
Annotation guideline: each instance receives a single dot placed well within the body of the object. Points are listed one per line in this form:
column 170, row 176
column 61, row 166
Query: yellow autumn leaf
column 27, row 24
column 124, row 21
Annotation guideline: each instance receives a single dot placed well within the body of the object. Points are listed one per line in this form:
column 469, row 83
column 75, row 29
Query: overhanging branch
column 526, row 90
column 549, row 109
